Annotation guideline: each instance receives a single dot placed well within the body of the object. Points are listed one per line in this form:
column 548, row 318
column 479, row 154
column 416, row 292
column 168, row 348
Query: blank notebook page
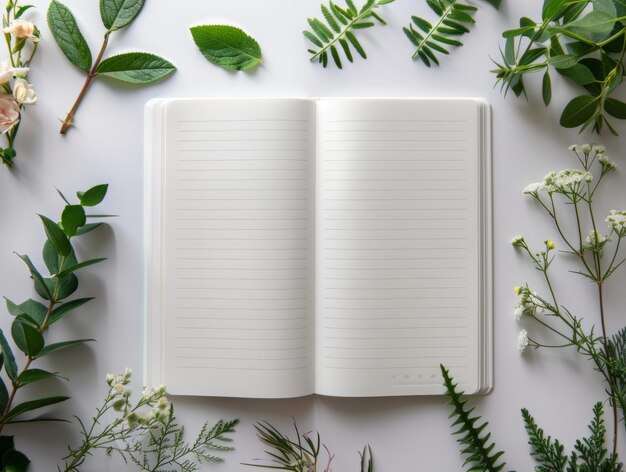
column 397, row 245
column 238, row 272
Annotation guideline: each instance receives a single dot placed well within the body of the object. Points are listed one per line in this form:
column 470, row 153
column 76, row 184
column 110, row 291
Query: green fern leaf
column 453, row 16
column 335, row 34
column 479, row 452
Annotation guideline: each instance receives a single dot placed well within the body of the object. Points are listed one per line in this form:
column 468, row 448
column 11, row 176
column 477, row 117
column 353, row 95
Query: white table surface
column 406, row 434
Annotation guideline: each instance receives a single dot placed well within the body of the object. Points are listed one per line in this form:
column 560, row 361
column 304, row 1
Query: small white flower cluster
column 525, row 305
column 607, row 164
column 595, row 241
column 518, row 241
column 568, row 178
column 617, row 222
column 522, row 341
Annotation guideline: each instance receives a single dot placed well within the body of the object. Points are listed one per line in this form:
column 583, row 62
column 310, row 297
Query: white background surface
column 406, row 434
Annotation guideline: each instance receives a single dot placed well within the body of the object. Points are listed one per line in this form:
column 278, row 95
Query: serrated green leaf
column 579, row 110
column 227, row 46
column 8, row 358
column 94, row 195
column 135, row 68
column 346, row 48
column 67, row 35
column 32, row 405
column 330, row 19
column 50, row 348
column 117, row 14
column 62, row 310
column 311, row 37
column 73, row 217
column 28, row 339
column 356, row 44
column 56, row 236
column 422, row 24
column 335, row 54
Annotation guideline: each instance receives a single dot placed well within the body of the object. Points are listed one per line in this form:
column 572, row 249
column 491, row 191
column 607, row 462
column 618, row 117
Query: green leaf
column 15, row 461
column 94, row 195
column 23, row 9
column 227, row 46
column 34, row 309
column 494, row 3
column 599, row 22
column 32, row 405
column 563, row 61
column 62, row 310
column 4, row 394
column 73, row 217
column 117, row 14
column 546, row 90
column 40, row 283
column 7, row 355
column 579, row 110
column 67, row 35
column 551, row 9
column 135, row 68
column 80, row 265
column 579, row 73
column 88, row 228
column 56, row 236
column 50, row 258
column 50, row 348
column 615, row 108
column 67, row 285
column 27, row 338
column 33, row 375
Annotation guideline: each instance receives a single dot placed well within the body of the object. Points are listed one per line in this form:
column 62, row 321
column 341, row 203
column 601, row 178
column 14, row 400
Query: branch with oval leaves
column 138, row 68
column 585, row 45
column 33, row 317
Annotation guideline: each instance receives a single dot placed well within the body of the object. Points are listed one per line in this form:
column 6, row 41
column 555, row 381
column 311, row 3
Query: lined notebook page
column 397, row 246
column 238, row 248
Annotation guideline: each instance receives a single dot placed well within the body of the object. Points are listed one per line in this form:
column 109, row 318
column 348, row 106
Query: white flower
column 617, row 220
column 24, row 92
column 607, row 164
column 518, row 312
column 522, row 341
column 533, row 188
column 119, row 389
column 565, row 179
column 9, row 113
column 586, row 148
column 6, row 72
column 573, row 147
column 518, row 241
column 144, row 417
column 22, row 29
column 596, row 239
column 110, row 379
column 147, row 393
column 599, row 148
column 20, row 72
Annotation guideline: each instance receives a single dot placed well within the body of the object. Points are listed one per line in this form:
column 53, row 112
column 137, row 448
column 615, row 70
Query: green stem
column 69, row 118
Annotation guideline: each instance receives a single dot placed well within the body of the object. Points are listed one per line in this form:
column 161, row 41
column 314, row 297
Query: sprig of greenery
column 429, row 39
column 33, row 318
column 548, row 454
column 586, row 47
column 337, row 32
column 303, row 453
column 474, row 439
column 146, row 432
column 134, row 67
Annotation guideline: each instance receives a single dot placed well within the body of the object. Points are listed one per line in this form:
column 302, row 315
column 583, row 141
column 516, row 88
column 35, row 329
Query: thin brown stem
column 69, row 119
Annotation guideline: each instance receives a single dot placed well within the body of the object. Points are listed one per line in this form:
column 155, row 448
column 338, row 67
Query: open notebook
column 331, row 246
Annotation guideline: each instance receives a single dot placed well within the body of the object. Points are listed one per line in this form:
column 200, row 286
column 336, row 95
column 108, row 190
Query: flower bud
column 24, row 92
column 22, row 29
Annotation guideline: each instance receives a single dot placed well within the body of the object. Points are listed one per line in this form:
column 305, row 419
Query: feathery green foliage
column 336, row 34
column 301, row 454
column 548, row 454
column 430, row 39
column 612, row 364
column 474, row 440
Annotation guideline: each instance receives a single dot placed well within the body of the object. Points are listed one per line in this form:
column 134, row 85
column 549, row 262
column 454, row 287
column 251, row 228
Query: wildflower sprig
column 145, row 432
column 16, row 93
column 597, row 249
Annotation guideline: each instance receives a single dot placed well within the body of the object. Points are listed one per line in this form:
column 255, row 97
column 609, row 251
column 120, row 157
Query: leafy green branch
column 33, row 318
column 338, row 30
column 450, row 25
column 586, row 47
column 133, row 67
column 474, row 440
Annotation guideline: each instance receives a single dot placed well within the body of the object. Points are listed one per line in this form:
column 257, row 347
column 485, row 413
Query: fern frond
column 430, row 39
column 474, row 440
column 335, row 35
column 549, row 455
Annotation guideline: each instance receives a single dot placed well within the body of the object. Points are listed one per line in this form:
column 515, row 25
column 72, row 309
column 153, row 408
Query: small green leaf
column 68, row 36
column 563, row 61
column 80, row 265
column 4, row 394
column 62, row 310
column 35, row 310
column 50, row 258
column 579, row 110
column 135, row 68
column 50, row 348
column 88, row 228
column 579, row 73
column 227, row 46
column 32, row 405
column 34, row 375
column 94, row 195
column 22, row 10
column 56, row 236
column 40, row 283
column 73, row 217
column 117, row 14
column 67, row 285
column 7, row 355
column 28, row 339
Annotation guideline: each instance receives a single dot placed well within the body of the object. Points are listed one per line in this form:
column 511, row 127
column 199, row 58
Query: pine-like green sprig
column 549, row 455
column 474, row 440
column 336, row 34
